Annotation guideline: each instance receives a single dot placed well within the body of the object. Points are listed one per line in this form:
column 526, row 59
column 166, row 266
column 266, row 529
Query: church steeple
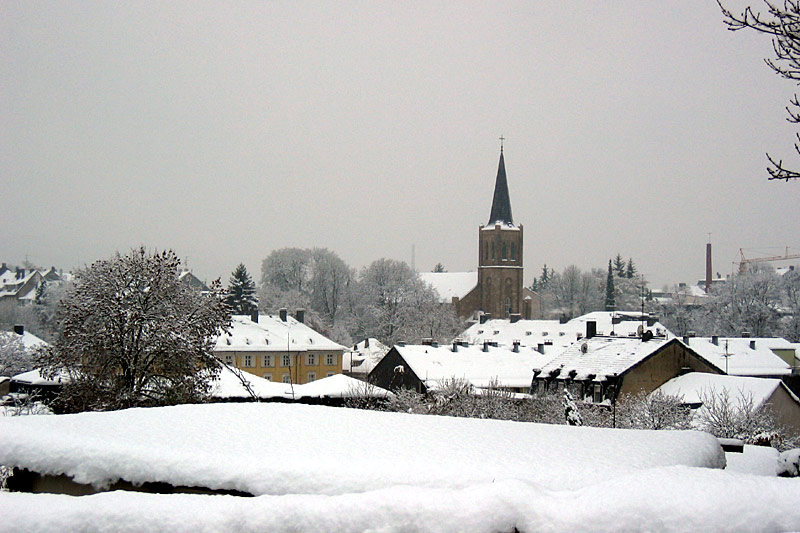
column 501, row 203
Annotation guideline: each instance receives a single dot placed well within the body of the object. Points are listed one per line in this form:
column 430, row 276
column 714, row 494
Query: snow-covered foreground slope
column 300, row 449
column 328, row 469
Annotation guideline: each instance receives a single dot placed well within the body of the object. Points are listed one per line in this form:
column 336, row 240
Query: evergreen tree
column 439, row 268
column 630, row 270
column 619, row 266
column 241, row 292
column 545, row 277
column 611, row 301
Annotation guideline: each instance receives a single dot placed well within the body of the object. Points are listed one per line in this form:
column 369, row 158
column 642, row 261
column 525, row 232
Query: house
column 742, row 356
column 556, row 333
column 599, row 369
column 694, row 388
column 279, row 348
column 360, row 361
column 186, row 277
column 19, row 285
column 428, row 366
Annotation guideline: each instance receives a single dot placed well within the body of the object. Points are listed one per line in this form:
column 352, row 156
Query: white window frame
column 329, row 374
column 312, row 376
column 286, row 378
column 247, row 361
column 286, row 360
column 330, row 359
column 268, row 376
column 230, row 360
column 267, row 361
column 311, row 359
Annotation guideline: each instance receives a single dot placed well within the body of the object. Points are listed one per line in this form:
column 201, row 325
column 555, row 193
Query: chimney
column 455, row 346
column 254, row 315
column 485, row 317
column 651, row 321
column 540, row 348
column 686, row 340
column 514, row 317
column 366, row 342
column 300, row 315
column 19, row 329
column 563, row 319
column 745, row 334
column 282, row 314
column 591, row 329
column 427, row 341
column 515, row 348
column 485, row 346
column 752, row 345
column 715, row 340
column 708, row 268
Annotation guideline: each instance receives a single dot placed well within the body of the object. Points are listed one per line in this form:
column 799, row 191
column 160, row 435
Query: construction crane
column 743, row 261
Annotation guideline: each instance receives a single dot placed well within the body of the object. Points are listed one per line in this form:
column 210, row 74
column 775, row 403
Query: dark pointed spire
column 501, row 203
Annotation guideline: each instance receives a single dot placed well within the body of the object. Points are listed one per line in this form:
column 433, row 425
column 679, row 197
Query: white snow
column 694, row 385
column 450, row 284
column 758, row 460
column 228, row 385
column 510, row 369
column 328, row 469
column 734, row 355
column 364, row 356
column 271, row 334
column 301, row 449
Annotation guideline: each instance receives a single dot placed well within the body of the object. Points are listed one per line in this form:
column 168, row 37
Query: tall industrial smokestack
column 708, row 267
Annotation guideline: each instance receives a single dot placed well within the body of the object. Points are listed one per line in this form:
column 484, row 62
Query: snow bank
column 661, row 499
column 228, row 385
column 758, row 460
column 283, row 449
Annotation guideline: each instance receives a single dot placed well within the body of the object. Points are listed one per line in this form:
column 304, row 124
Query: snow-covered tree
column 736, row 415
column 653, row 411
column 14, row 357
column 619, row 266
column 133, row 334
column 571, row 413
column 630, row 269
column 241, row 294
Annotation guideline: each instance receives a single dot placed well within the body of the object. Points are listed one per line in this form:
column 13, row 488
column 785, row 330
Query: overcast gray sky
column 228, row 131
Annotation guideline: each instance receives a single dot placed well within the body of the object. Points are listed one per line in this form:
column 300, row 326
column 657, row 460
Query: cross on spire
column 501, row 142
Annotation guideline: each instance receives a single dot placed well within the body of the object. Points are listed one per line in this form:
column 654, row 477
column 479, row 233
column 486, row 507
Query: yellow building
column 279, row 348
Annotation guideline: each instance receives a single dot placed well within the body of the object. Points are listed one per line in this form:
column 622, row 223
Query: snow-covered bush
column 571, row 413
column 652, row 411
column 739, row 418
column 789, row 463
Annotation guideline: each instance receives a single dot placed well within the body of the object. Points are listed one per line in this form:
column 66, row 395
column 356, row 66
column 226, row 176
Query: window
column 312, row 376
column 286, row 378
column 229, row 360
column 268, row 376
column 505, row 252
column 513, row 251
column 248, row 360
column 598, row 393
column 312, row 359
column 286, row 360
column 508, row 307
column 267, row 361
column 329, row 374
column 330, row 359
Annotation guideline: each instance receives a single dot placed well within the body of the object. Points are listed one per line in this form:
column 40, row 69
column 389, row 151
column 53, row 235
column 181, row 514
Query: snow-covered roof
column 364, row 356
column 535, row 332
column 271, row 334
column 734, row 356
column 603, row 357
column 29, row 340
column 228, row 385
column 433, row 365
column 34, row 377
column 694, row 385
column 450, row 284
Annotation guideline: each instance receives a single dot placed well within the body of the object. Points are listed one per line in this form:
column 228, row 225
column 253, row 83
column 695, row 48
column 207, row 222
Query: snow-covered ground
column 326, row 469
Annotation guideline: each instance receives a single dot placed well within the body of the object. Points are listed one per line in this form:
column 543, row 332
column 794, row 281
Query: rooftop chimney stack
column 282, row 313
column 715, row 340
column 19, row 329
column 591, row 329
column 485, row 346
column 752, row 345
column 708, row 267
column 254, row 315
column 300, row 315
column 515, row 349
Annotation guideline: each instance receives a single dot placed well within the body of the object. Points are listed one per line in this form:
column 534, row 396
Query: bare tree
column 782, row 22
column 15, row 358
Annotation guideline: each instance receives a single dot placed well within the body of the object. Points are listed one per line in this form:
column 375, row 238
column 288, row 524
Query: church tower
column 500, row 255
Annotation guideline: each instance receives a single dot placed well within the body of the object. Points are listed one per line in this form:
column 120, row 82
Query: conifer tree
column 241, row 292
column 619, row 266
column 630, row 270
column 611, row 301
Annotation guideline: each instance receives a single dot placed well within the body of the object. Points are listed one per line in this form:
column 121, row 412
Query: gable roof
column 603, row 357
column 450, row 284
column 271, row 334
column 734, row 356
column 435, row 364
column 694, row 385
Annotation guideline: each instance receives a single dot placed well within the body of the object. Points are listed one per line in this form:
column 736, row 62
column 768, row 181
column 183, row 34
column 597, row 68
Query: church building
column 497, row 290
